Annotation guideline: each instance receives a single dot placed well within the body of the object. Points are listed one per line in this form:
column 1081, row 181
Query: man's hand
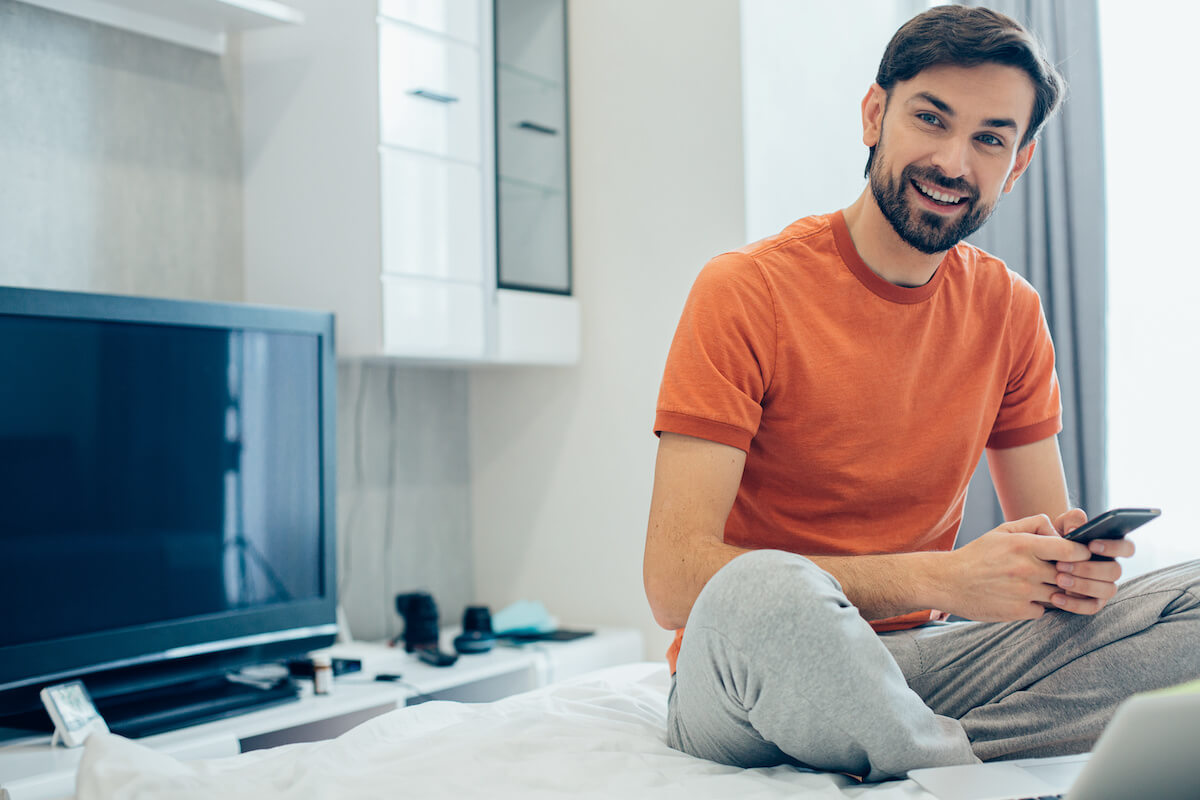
column 1088, row 585
column 1070, row 521
column 1017, row 569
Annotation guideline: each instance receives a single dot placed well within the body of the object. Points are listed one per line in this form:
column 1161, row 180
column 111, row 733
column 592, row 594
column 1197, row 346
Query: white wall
column 120, row 159
column 806, row 67
column 562, row 459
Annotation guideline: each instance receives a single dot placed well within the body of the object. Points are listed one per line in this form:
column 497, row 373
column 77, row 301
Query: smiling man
column 827, row 396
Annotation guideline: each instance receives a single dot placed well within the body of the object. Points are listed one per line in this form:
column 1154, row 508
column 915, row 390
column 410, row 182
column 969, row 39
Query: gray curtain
column 1051, row 229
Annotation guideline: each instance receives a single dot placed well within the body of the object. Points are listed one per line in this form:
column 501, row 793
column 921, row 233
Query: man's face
column 948, row 149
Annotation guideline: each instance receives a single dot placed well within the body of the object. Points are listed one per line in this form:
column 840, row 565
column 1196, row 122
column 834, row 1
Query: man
column 828, row 393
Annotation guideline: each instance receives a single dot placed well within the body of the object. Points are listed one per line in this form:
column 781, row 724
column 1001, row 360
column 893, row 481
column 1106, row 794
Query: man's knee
column 741, row 638
column 1181, row 581
column 762, row 590
column 1188, row 576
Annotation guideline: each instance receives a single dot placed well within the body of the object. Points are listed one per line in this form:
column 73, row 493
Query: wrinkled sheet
column 600, row 735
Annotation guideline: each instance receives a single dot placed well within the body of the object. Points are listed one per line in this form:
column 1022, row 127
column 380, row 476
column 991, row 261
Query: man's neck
column 882, row 249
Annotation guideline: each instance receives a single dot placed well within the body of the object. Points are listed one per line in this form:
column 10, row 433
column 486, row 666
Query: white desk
column 32, row 770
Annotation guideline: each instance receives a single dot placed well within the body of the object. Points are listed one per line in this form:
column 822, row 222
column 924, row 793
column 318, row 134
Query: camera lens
column 477, row 619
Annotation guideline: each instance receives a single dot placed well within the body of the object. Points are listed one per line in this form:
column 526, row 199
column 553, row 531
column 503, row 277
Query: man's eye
column 928, row 118
column 989, row 139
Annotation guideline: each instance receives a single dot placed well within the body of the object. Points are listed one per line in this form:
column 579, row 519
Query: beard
column 922, row 229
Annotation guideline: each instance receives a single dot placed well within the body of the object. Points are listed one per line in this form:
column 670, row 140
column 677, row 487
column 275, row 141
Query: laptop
column 1150, row 749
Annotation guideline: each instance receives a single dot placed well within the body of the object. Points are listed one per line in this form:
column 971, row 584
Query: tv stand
column 164, row 709
column 31, row 769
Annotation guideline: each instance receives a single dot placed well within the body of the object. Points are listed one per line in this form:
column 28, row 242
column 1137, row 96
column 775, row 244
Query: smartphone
column 1113, row 524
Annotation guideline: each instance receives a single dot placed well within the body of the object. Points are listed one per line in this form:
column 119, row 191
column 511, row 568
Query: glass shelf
column 532, row 76
column 537, row 187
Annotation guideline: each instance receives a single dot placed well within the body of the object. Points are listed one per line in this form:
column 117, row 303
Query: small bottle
column 322, row 674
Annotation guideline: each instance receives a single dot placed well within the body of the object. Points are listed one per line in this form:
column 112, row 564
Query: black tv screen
column 166, row 483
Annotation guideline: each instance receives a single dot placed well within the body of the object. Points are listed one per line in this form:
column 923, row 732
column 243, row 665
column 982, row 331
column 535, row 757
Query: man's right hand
column 1010, row 572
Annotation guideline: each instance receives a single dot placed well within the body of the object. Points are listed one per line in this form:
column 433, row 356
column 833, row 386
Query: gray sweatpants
column 777, row 667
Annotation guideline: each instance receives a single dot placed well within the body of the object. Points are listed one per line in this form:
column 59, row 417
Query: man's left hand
column 1088, row 585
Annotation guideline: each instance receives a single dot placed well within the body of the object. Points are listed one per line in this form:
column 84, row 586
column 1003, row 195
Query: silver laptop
column 1150, row 749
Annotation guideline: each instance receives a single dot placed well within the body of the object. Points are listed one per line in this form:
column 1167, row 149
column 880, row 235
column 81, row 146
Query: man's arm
column 695, row 483
column 1007, row 574
column 1029, row 479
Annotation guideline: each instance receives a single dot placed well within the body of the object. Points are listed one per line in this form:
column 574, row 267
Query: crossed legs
column 777, row 667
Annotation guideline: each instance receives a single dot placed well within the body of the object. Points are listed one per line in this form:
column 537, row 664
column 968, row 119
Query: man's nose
column 951, row 156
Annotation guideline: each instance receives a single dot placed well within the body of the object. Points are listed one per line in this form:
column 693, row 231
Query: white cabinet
column 531, row 124
column 424, row 233
column 433, row 181
column 371, row 186
column 457, row 19
column 198, row 24
column 429, row 92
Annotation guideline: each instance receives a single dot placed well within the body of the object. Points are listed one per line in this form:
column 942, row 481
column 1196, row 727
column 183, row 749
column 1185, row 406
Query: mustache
column 935, row 177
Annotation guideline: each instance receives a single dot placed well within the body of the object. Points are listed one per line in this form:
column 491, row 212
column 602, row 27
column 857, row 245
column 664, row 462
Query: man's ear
column 1024, row 156
column 873, row 106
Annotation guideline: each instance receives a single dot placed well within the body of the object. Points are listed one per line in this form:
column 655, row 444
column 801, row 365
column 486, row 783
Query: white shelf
column 198, row 24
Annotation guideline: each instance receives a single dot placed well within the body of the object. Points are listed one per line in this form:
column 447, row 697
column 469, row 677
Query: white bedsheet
column 601, row 735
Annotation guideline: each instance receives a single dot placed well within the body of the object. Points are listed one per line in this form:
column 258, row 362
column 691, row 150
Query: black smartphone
column 1113, row 524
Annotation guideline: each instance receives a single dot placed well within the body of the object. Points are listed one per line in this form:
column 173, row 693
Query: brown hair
column 968, row 37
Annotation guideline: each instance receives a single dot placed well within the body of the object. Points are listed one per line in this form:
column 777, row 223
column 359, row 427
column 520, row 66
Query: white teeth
column 941, row 197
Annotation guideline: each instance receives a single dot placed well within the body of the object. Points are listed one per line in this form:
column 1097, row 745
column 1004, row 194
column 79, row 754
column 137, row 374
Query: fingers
column 1039, row 524
column 1107, row 571
column 1077, row 605
column 1086, row 585
column 1024, row 567
column 1112, row 548
column 1090, row 578
column 1069, row 521
column 1055, row 548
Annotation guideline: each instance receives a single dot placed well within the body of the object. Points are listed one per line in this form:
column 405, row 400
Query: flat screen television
column 167, row 487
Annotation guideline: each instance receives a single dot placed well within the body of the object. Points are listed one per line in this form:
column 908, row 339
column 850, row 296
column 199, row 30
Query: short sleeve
column 1032, row 408
column 719, row 366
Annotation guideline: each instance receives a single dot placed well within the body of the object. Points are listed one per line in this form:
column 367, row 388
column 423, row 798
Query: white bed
column 601, row 735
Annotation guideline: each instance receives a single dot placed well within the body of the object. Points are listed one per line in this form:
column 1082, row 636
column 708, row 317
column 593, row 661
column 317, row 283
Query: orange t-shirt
column 863, row 407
